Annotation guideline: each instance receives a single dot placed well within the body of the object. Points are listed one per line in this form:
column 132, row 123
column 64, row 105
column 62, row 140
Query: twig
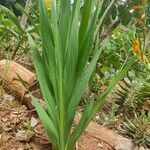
column 110, row 29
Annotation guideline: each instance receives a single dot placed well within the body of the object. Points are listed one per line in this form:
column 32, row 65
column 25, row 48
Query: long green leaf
column 12, row 17
column 87, row 10
column 87, row 41
column 71, row 54
column 48, row 45
column 79, row 129
column 79, row 87
column 46, row 121
column 43, row 79
column 29, row 18
column 65, row 11
column 98, row 104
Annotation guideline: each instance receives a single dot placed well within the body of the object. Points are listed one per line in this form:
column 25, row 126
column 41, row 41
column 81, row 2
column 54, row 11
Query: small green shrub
column 71, row 49
column 138, row 129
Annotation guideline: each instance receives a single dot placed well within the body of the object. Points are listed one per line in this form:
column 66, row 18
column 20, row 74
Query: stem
column 24, row 17
column 103, row 17
column 62, row 143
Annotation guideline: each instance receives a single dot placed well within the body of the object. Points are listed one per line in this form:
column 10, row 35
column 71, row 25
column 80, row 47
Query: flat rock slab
column 108, row 136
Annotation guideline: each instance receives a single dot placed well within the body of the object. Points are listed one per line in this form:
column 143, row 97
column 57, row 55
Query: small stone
column 23, row 109
column 6, row 137
column 23, row 135
column 20, row 148
column 100, row 145
column 142, row 148
column 97, row 118
column 34, row 122
column 4, row 119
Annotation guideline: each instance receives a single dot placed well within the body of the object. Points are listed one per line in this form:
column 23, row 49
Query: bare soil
column 20, row 129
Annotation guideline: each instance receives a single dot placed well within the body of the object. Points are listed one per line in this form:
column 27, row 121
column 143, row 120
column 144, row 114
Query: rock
column 24, row 135
column 34, row 122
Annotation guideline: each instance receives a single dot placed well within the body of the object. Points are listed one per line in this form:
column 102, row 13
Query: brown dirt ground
column 15, row 119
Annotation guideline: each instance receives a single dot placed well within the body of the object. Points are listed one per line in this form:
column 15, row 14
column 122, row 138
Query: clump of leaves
column 138, row 128
column 133, row 94
column 108, row 116
column 69, row 38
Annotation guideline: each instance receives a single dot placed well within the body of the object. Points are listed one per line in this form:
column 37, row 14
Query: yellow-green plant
column 69, row 38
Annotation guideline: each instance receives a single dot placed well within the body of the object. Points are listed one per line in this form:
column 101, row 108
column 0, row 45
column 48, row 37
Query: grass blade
column 12, row 17
column 79, row 87
column 43, row 79
column 98, row 104
column 46, row 121
column 89, row 112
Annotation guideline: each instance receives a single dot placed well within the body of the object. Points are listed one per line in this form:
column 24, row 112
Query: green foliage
column 128, row 110
column 12, row 17
column 138, row 129
column 109, row 118
column 13, row 34
column 117, row 48
column 127, row 11
column 71, row 49
column 132, row 95
column 12, row 5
